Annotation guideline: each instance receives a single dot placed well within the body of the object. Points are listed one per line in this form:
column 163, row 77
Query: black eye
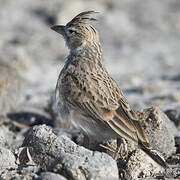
column 71, row 31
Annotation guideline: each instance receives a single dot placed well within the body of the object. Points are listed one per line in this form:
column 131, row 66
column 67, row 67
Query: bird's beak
column 59, row 29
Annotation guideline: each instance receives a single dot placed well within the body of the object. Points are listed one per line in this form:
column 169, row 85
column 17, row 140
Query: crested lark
column 87, row 94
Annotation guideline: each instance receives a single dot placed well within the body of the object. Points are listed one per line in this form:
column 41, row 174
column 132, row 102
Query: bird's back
column 87, row 88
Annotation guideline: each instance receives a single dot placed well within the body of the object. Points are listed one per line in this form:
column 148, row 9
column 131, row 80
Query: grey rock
column 7, row 159
column 140, row 165
column 157, row 127
column 50, row 176
column 60, row 154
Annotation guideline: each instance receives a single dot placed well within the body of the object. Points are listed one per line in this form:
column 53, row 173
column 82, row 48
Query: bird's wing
column 125, row 117
column 100, row 98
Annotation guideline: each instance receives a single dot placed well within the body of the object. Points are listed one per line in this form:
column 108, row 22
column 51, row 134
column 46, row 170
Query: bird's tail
column 154, row 155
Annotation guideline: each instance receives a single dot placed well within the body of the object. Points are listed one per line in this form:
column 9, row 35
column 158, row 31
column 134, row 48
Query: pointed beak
column 59, row 29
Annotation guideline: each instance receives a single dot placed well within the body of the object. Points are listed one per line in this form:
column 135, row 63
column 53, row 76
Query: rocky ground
column 140, row 41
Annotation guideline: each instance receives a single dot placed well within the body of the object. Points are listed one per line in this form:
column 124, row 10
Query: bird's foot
column 121, row 151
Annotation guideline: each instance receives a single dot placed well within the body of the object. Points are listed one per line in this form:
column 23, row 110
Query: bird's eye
column 71, row 31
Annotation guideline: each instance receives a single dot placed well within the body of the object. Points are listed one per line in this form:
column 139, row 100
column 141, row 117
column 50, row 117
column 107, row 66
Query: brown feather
column 83, row 17
column 85, row 88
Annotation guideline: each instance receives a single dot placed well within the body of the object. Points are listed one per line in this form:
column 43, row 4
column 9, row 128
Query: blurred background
column 140, row 41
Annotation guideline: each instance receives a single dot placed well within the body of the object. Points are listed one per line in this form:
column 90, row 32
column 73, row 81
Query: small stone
column 50, row 176
column 7, row 159
column 140, row 165
column 158, row 130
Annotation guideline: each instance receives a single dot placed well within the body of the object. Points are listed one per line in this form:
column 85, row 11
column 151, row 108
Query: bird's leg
column 107, row 147
column 121, row 148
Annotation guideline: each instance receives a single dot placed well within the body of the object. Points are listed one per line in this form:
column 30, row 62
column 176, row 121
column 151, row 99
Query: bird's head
column 78, row 32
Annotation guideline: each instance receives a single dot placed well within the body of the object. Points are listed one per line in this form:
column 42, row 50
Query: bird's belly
column 95, row 129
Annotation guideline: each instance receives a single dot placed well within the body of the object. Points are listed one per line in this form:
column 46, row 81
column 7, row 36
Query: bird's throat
column 91, row 51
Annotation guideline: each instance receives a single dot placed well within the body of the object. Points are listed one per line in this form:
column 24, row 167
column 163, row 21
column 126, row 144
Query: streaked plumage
column 86, row 93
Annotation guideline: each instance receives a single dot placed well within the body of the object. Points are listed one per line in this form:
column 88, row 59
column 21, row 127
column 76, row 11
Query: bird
column 88, row 97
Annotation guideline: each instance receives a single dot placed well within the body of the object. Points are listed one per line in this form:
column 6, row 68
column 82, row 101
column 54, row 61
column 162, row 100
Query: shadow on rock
column 30, row 118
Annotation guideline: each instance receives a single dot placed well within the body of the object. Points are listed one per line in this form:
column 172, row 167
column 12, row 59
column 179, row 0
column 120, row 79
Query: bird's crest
column 82, row 18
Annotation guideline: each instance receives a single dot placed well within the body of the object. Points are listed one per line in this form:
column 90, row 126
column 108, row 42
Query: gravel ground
column 140, row 42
